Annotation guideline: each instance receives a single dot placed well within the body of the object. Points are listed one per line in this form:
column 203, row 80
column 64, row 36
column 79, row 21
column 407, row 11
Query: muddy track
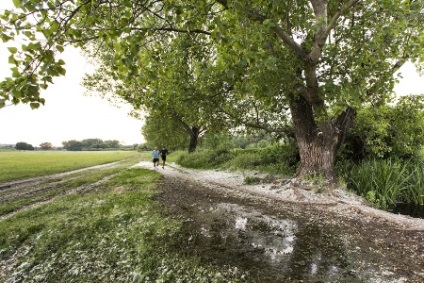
column 33, row 181
column 390, row 245
column 42, row 190
column 291, row 192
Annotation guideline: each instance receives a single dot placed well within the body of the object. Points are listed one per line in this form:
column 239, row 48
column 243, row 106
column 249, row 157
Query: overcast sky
column 69, row 114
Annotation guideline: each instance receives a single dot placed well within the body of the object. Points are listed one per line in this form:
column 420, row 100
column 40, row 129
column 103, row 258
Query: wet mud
column 275, row 242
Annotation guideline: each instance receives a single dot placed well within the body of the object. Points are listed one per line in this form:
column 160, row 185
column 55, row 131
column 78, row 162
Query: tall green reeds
column 386, row 182
column 414, row 193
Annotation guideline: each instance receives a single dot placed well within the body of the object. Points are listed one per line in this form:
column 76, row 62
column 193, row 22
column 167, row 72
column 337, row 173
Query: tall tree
column 316, row 60
column 171, row 83
column 321, row 60
column 161, row 130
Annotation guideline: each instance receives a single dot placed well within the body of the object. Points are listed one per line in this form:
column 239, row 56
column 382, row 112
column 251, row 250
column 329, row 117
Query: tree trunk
column 194, row 138
column 317, row 155
column 318, row 145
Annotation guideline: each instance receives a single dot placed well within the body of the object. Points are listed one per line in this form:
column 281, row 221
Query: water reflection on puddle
column 269, row 248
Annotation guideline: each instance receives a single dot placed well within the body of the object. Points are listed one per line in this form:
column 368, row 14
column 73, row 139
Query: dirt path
column 341, row 203
column 389, row 244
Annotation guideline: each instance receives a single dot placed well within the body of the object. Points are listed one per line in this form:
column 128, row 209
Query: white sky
column 69, row 114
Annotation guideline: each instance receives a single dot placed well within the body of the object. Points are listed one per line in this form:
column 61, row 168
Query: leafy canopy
column 262, row 54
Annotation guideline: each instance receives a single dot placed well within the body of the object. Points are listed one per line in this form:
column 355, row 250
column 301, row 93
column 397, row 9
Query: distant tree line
column 76, row 145
column 90, row 144
column 27, row 146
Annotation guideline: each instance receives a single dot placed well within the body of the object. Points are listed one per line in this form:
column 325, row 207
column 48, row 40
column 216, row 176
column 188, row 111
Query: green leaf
column 16, row 93
column 61, row 71
column 268, row 23
column 17, row 3
column 15, row 72
column 12, row 60
column 5, row 38
column 34, row 105
column 13, row 50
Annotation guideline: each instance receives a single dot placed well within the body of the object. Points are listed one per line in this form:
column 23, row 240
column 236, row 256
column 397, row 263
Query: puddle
column 270, row 249
column 283, row 244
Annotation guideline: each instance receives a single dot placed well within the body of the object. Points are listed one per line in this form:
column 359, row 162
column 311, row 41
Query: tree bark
column 194, row 138
column 318, row 144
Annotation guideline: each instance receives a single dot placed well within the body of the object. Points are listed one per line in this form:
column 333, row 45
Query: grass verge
column 48, row 189
column 114, row 234
column 384, row 183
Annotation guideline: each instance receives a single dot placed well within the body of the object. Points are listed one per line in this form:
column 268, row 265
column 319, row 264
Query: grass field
column 16, row 165
column 111, row 231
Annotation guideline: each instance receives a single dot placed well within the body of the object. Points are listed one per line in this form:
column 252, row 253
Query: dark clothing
column 163, row 153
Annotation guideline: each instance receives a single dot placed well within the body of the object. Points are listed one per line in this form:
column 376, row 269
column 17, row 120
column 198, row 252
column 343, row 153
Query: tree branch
column 286, row 38
column 170, row 29
column 324, row 29
column 285, row 130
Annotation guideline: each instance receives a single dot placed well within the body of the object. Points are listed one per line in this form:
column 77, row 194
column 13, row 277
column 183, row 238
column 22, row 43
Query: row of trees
column 381, row 132
column 301, row 69
column 90, row 144
column 27, row 146
column 74, row 145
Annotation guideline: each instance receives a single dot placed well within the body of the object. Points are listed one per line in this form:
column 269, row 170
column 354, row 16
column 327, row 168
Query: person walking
column 155, row 155
column 163, row 153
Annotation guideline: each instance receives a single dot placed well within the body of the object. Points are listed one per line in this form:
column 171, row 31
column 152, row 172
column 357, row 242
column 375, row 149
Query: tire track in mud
column 54, row 184
column 17, row 184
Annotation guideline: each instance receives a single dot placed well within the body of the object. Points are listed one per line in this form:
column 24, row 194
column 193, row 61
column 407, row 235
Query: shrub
column 387, row 131
column 251, row 181
column 198, row 159
column 279, row 159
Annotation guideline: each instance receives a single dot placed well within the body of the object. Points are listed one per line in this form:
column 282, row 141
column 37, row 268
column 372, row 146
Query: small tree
column 46, row 146
column 112, row 144
column 23, row 146
column 73, row 145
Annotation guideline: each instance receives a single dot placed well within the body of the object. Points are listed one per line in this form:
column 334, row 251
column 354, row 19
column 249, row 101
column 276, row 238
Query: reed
column 382, row 182
column 414, row 192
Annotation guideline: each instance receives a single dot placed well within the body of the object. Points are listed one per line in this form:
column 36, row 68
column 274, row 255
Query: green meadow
column 91, row 231
column 16, row 165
